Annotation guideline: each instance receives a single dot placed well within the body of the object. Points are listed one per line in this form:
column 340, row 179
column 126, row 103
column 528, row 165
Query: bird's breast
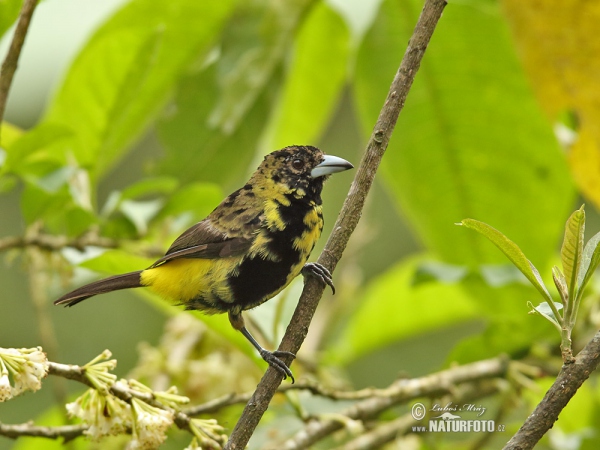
column 280, row 250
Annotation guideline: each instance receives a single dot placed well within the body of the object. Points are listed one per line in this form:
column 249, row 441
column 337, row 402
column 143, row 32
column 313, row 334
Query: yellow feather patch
column 314, row 225
column 274, row 220
column 182, row 280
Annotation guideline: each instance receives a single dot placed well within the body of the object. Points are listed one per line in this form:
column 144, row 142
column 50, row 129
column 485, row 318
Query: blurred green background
column 133, row 119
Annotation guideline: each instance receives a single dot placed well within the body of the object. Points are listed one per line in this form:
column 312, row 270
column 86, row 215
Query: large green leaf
column 124, row 74
column 471, row 141
column 9, row 11
column 393, row 308
column 198, row 151
column 314, row 79
column 253, row 46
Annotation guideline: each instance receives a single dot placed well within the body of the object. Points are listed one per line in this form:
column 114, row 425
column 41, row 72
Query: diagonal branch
column 9, row 66
column 570, row 378
column 347, row 219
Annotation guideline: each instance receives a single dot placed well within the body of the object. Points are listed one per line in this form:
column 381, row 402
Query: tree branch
column 68, row 432
column 77, row 373
column 55, row 243
column 402, row 425
column 9, row 66
column 570, row 378
column 347, row 219
column 434, row 385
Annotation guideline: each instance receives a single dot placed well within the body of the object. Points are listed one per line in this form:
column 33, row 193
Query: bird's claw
column 273, row 359
column 319, row 271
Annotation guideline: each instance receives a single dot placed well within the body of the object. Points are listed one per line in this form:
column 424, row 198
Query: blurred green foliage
column 215, row 85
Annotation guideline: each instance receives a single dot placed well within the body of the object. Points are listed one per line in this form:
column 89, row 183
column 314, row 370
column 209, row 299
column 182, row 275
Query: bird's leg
column 320, row 272
column 237, row 322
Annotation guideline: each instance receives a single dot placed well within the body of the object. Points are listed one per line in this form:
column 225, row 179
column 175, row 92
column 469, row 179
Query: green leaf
column 589, row 262
column 198, row 198
column 561, row 284
column 512, row 335
column 254, row 44
column 437, row 271
column 197, row 151
column 123, row 76
column 572, row 249
column 314, row 79
column 150, row 186
column 392, row 308
column 9, row 11
column 471, row 140
column 140, row 213
column 498, row 275
column 116, row 261
column 34, row 149
column 545, row 310
column 512, row 252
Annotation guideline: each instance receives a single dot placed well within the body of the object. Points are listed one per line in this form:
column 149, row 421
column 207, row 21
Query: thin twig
column 9, row 66
column 434, row 385
column 56, row 243
column 372, row 401
column 388, row 431
column 570, row 378
column 68, row 432
column 347, row 219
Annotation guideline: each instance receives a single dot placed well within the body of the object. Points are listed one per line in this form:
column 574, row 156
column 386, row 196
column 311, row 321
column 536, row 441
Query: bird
column 247, row 250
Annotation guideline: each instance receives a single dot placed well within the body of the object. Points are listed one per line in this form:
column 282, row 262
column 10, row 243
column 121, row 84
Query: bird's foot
column 319, row 271
column 273, row 359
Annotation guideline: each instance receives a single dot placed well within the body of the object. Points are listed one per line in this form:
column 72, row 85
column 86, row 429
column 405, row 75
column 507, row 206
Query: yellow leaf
column 559, row 44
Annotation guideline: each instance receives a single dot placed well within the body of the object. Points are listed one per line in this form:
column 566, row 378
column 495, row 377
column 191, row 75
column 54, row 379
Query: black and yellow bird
column 248, row 249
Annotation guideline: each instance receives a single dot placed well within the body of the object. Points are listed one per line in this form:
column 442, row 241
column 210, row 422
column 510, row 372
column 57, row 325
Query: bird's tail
column 118, row 282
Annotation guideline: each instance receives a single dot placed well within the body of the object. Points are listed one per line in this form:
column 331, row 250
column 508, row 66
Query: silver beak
column 330, row 164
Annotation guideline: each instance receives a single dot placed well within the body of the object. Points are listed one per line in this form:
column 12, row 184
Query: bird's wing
column 228, row 231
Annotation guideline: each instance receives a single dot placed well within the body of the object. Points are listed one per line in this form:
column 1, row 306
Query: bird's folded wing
column 205, row 241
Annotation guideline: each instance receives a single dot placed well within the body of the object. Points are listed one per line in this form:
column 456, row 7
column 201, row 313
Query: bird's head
column 297, row 170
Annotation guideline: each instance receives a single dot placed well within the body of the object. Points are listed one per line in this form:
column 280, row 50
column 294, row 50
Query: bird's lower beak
column 330, row 164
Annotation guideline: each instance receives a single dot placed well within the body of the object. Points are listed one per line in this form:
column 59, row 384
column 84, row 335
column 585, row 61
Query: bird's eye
column 297, row 164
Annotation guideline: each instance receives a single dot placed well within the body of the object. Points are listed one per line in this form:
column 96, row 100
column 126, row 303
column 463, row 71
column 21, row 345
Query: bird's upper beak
column 330, row 164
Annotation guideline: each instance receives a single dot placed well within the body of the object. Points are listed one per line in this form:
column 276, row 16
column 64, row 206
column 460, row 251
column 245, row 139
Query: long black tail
column 118, row 282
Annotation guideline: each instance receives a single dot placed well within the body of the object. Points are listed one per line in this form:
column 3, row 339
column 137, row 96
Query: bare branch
column 55, row 243
column 347, row 219
column 9, row 66
column 389, row 431
column 570, row 378
column 67, row 432
column 434, row 385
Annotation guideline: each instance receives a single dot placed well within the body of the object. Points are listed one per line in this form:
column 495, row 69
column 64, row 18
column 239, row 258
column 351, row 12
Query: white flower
column 208, row 432
column 27, row 366
column 97, row 371
column 150, row 425
column 105, row 415
column 5, row 389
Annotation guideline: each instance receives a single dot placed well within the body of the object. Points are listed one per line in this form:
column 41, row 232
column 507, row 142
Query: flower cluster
column 150, row 425
column 107, row 414
column 207, row 433
column 26, row 366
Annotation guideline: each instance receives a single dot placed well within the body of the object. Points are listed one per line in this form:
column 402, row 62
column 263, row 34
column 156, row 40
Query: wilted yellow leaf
column 559, row 44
